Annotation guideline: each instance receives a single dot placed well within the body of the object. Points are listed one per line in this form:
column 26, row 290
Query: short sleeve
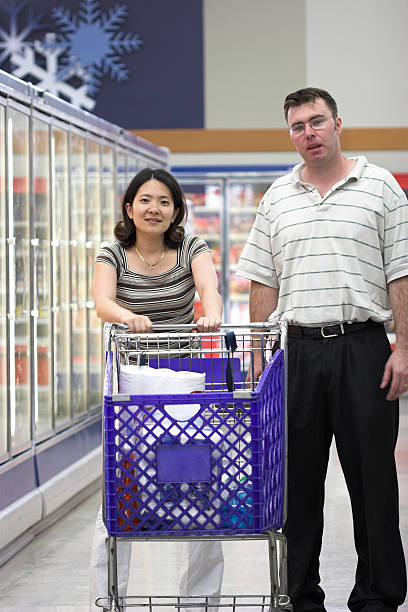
column 396, row 231
column 110, row 254
column 193, row 246
column 256, row 261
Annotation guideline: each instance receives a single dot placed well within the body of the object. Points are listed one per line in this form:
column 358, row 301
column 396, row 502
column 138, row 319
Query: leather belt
column 330, row 331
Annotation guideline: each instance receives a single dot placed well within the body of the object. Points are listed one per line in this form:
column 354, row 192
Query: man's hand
column 262, row 301
column 396, row 374
column 396, row 368
column 257, row 367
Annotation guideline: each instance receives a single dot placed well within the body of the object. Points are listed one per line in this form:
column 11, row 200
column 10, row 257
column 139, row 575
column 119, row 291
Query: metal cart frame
column 205, row 348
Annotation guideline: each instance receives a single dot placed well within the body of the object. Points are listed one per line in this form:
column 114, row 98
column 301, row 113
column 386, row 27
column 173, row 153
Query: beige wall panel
column 358, row 51
column 254, row 56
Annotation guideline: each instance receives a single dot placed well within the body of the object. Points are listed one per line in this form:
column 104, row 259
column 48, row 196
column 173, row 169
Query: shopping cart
column 216, row 473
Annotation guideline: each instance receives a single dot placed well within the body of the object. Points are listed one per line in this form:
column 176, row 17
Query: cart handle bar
column 190, row 326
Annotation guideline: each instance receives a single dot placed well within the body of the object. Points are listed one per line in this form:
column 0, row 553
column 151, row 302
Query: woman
column 149, row 276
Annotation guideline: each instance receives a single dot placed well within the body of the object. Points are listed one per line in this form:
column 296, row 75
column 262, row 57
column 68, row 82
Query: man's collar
column 297, row 172
column 355, row 172
column 358, row 168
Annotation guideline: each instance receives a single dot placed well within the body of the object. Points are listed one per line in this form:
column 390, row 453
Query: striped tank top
column 165, row 298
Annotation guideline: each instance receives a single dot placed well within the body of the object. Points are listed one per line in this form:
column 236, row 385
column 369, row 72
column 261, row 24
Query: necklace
column 149, row 265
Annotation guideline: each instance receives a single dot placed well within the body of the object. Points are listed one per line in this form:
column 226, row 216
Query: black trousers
column 333, row 390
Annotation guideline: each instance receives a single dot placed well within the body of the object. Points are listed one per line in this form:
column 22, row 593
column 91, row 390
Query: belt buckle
column 332, row 335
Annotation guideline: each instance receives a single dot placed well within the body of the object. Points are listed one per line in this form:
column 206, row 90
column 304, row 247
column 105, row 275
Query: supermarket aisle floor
column 51, row 573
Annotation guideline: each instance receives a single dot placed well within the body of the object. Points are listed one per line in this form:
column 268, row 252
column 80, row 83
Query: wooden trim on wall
column 217, row 141
column 375, row 139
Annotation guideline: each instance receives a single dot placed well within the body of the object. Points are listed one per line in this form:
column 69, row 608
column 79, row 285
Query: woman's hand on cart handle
column 190, row 327
column 208, row 324
column 138, row 324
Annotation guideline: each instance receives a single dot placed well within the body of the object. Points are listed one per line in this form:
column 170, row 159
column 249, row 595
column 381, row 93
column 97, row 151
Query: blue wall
column 136, row 63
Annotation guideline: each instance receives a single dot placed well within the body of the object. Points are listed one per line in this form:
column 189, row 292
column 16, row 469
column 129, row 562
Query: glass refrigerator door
column 78, row 275
column 19, row 278
column 205, row 199
column 107, row 196
column 121, row 183
column 93, row 221
column 3, row 292
column 41, row 247
column 243, row 195
column 61, row 298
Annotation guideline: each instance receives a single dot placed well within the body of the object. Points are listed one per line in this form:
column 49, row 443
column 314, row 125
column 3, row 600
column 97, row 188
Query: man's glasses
column 317, row 123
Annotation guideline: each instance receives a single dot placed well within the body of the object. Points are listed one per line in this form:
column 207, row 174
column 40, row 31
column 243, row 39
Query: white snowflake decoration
column 92, row 43
column 15, row 41
column 47, row 78
column 88, row 46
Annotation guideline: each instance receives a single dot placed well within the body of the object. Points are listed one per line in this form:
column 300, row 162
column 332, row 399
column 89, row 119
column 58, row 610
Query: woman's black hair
column 125, row 231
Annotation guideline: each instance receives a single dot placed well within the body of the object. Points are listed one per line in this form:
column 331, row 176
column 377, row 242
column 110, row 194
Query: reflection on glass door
column 41, row 243
column 3, row 293
column 61, row 282
column 134, row 165
column 19, row 274
column 94, row 224
column 79, row 275
column 108, row 200
column 243, row 197
column 121, row 183
column 205, row 201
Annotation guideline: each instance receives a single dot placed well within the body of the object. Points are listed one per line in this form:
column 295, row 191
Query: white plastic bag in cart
column 144, row 380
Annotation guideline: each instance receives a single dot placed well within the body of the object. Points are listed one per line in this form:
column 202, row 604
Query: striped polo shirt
column 330, row 257
column 165, row 298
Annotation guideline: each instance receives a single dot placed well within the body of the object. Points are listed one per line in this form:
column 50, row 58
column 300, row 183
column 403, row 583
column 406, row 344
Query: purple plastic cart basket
column 221, row 472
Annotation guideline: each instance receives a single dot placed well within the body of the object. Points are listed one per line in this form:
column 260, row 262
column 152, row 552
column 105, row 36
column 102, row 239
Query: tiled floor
column 51, row 573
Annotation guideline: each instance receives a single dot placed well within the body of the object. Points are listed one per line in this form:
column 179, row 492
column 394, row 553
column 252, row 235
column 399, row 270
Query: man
column 328, row 254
